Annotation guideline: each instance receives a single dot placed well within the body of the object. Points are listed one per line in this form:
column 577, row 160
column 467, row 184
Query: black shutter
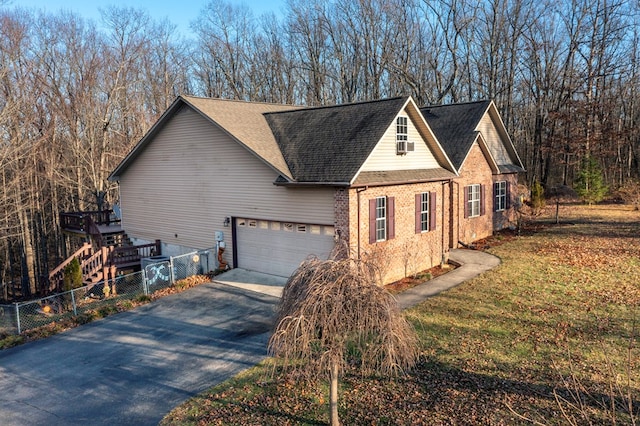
column 466, row 201
column 391, row 218
column 372, row 221
column 418, row 213
column 432, row 211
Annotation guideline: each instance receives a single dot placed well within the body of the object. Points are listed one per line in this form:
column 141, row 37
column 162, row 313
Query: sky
column 178, row 12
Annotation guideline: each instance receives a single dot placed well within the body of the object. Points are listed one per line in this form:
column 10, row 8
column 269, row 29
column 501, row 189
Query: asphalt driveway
column 134, row 367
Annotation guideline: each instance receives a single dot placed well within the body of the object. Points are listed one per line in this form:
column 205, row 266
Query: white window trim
column 402, row 134
column 424, row 212
column 501, row 196
column 474, row 200
column 381, row 219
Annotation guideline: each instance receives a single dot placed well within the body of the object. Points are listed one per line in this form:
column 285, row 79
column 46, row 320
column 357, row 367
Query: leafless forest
column 76, row 95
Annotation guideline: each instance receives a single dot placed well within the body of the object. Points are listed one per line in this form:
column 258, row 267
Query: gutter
column 311, row 184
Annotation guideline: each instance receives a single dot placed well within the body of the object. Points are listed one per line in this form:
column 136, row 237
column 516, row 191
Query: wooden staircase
column 110, row 251
column 94, row 264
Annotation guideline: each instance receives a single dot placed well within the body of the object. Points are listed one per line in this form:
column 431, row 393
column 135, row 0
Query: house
column 391, row 182
column 485, row 159
column 282, row 183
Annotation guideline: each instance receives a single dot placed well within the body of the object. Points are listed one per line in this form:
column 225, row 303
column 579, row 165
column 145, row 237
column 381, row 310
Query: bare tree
column 332, row 315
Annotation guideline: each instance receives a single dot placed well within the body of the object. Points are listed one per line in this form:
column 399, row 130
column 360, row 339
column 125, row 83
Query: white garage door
column 277, row 248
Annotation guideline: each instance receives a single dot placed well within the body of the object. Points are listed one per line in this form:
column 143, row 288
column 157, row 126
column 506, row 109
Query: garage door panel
column 279, row 247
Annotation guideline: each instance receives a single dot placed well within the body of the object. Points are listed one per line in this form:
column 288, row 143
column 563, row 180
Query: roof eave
column 487, row 153
column 311, row 184
column 502, row 129
column 403, row 182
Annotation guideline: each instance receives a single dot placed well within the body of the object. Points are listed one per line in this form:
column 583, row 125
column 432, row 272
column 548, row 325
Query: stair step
column 93, row 279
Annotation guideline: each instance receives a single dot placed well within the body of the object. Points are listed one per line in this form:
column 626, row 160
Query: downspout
column 443, row 260
column 456, row 208
column 358, row 191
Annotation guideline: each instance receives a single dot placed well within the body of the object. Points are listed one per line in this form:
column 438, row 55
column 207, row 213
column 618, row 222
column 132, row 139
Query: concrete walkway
column 271, row 285
column 471, row 264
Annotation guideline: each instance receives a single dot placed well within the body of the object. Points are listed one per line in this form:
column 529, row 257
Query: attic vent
column 411, row 146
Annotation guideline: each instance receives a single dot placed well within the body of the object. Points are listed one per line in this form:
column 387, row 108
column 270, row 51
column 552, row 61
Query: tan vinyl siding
column 494, row 140
column 193, row 175
column 384, row 156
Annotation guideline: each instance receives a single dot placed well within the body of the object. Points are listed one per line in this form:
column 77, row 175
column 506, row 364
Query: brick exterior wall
column 507, row 219
column 408, row 252
column 476, row 170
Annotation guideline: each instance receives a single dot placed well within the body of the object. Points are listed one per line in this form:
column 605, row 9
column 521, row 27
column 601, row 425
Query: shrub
column 537, row 196
column 630, row 193
column 590, row 182
column 72, row 275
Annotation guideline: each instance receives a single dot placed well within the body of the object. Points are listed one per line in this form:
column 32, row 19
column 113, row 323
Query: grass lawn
column 550, row 335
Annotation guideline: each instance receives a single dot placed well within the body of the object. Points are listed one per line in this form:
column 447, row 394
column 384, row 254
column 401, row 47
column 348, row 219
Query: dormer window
column 402, row 135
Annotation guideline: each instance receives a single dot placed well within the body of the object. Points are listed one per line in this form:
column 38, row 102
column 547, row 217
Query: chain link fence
column 157, row 273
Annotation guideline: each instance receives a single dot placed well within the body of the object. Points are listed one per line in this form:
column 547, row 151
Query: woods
column 76, row 95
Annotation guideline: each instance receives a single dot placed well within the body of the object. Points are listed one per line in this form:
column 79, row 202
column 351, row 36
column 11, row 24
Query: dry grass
column 549, row 336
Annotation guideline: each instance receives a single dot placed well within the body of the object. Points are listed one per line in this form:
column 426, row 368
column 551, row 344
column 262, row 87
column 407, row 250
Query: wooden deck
column 106, row 230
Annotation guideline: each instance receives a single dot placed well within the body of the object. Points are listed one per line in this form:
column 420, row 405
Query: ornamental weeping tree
column 333, row 315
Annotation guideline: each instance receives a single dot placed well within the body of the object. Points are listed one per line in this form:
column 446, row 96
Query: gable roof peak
column 330, row 143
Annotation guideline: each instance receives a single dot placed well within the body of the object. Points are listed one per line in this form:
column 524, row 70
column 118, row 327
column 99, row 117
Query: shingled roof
column 330, row 144
column 455, row 126
column 245, row 121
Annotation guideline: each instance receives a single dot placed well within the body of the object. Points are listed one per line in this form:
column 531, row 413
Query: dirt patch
column 419, row 278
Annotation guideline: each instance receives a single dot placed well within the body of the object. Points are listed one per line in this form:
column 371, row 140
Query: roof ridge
column 319, row 107
column 456, row 104
column 240, row 101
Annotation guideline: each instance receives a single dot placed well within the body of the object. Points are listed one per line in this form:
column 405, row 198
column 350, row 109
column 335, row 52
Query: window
column 381, row 219
column 424, row 212
column 401, row 135
column 500, row 193
column 473, row 200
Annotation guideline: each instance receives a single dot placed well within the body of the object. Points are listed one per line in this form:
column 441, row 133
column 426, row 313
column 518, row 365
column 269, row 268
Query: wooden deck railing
column 79, row 221
column 127, row 256
column 56, row 277
column 104, row 262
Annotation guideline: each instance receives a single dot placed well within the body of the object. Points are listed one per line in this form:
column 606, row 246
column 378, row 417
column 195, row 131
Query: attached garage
column 278, row 248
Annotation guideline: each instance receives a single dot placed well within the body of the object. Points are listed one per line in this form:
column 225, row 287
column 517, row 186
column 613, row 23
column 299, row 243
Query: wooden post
column 158, row 248
column 113, row 270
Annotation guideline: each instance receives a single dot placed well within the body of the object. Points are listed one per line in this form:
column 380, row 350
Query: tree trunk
column 333, row 395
